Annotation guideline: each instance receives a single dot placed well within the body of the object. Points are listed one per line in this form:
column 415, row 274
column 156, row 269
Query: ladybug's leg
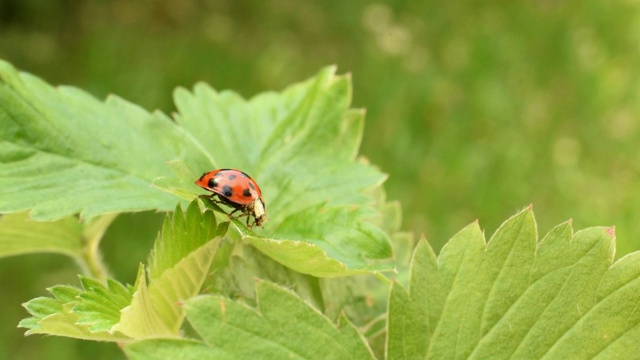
column 247, row 215
column 215, row 199
column 231, row 213
column 243, row 214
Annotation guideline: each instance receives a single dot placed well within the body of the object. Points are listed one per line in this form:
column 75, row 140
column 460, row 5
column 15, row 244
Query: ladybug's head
column 259, row 211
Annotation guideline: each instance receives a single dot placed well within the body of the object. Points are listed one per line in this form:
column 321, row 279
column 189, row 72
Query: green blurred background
column 474, row 109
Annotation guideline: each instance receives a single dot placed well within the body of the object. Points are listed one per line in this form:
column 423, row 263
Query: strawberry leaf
column 283, row 326
column 63, row 152
column 19, row 235
column 114, row 312
column 178, row 267
column 515, row 296
column 84, row 313
column 301, row 146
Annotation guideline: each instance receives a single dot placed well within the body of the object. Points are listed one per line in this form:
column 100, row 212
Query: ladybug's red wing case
column 236, row 189
column 234, row 185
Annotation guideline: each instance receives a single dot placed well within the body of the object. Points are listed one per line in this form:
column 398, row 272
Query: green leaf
column 68, row 236
column 516, row 297
column 282, row 327
column 409, row 326
column 301, row 147
column 19, row 235
column 85, row 313
column 178, row 266
column 98, row 307
column 337, row 234
column 153, row 307
column 79, row 240
column 364, row 298
column 235, row 275
column 182, row 349
column 63, row 152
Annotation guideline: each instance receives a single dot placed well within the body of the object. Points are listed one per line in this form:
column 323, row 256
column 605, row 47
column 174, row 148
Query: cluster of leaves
column 63, row 152
column 176, row 271
column 311, row 284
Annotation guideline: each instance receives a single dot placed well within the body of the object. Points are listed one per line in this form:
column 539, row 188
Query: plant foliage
column 307, row 285
column 516, row 297
column 177, row 269
column 63, row 152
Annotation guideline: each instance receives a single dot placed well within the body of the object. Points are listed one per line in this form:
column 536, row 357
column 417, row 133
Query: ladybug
column 237, row 190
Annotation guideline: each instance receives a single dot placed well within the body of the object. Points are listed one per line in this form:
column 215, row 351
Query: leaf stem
column 91, row 256
column 93, row 261
column 383, row 278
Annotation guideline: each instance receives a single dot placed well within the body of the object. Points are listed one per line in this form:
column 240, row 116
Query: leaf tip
column 611, row 230
column 348, row 76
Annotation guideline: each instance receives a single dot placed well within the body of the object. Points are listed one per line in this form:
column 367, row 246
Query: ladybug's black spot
column 226, row 191
column 246, row 193
column 231, row 177
column 251, row 186
column 213, row 183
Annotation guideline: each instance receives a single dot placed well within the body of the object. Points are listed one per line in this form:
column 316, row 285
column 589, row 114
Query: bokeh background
column 474, row 109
